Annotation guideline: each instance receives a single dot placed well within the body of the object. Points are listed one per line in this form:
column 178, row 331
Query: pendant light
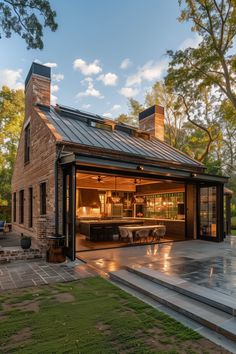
column 116, row 198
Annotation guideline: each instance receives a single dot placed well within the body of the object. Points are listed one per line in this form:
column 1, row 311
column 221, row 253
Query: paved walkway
column 209, row 264
column 23, row 274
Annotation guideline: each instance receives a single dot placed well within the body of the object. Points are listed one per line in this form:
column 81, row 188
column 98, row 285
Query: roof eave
column 77, row 148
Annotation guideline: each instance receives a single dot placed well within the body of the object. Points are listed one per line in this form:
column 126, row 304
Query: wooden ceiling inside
column 103, row 182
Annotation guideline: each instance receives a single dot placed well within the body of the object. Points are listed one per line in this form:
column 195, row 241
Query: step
column 210, row 297
column 215, row 319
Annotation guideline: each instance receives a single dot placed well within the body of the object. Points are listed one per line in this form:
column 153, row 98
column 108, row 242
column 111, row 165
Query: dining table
column 132, row 229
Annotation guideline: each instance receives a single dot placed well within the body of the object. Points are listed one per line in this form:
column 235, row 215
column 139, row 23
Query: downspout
column 56, row 165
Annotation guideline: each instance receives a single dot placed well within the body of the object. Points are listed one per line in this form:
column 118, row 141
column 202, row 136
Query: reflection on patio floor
column 208, row 264
column 82, row 244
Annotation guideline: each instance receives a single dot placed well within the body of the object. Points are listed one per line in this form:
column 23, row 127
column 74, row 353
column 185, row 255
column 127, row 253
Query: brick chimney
column 152, row 121
column 37, row 87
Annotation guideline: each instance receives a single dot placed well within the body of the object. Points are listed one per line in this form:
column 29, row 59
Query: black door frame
column 219, row 211
column 73, row 168
column 70, row 249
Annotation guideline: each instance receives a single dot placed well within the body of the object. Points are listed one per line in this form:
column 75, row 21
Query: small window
column 14, row 207
column 30, row 207
column 27, row 143
column 43, row 199
column 21, row 207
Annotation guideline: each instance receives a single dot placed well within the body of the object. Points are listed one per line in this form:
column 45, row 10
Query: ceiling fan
column 99, row 179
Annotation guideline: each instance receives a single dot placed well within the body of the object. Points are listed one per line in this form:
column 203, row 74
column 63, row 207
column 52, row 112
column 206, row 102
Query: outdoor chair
column 125, row 234
column 142, row 235
column 2, row 226
column 159, row 232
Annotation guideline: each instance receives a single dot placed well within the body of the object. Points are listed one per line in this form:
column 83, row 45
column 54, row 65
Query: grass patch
column 233, row 232
column 233, row 222
column 90, row 316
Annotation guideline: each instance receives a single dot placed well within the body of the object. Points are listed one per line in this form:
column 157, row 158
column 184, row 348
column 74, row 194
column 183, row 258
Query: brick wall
column 154, row 122
column 40, row 168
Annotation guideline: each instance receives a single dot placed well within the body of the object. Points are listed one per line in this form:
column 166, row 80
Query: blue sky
column 103, row 51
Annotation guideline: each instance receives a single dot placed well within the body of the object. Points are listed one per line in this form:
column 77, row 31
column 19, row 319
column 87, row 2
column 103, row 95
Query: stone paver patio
column 33, row 273
column 208, row 264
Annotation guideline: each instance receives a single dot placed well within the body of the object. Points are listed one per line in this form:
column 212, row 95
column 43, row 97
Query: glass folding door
column 210, row 212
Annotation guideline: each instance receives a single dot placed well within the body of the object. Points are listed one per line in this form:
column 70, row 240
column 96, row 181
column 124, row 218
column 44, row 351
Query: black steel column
column 73, row 210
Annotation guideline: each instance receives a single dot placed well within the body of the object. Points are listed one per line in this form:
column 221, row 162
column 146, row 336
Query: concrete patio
column 211, row 265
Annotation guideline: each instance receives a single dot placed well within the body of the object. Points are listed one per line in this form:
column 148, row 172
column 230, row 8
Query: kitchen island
column 105, row 229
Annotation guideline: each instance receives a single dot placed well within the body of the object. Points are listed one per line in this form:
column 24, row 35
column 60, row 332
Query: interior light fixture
column 140, row 168
column 193, row 175
column 115, row 199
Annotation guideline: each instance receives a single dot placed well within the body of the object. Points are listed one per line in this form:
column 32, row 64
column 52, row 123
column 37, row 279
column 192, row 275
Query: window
column 30, row 207
column 165, row 205
column 21, row 207
column 27, row 143
column 43, row 198
column 14, row 207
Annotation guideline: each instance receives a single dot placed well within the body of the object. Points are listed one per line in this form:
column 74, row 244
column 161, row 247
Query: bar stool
column 97, row 234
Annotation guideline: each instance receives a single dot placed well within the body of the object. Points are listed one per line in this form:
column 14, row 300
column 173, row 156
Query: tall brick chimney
column 37, row 87
column 152, row 121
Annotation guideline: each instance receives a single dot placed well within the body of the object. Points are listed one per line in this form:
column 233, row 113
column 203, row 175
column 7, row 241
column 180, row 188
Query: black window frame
column 30, row 207
column 14, row 207
column 21, row 206
column 43, row 198
column 27, row 144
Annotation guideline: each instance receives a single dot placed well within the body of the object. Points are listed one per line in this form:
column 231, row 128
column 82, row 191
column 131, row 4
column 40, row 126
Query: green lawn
column 233, row 232
column 90, row 316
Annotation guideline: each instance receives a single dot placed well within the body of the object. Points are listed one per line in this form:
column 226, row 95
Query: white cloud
column 125, row 63
column 107, row 114
column 90, row 91
column 86, row 106
column 54, row 88
column 149, row 71
column 116, row 107
column 51, row 65
column 57, row 77
column 11, row 78
column 191, row 42
column 53, row 100
column 129, row 91
column 108, row 79
column 87, row 68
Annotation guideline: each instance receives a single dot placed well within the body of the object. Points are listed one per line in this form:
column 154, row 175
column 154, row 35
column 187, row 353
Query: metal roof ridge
column 90, row 115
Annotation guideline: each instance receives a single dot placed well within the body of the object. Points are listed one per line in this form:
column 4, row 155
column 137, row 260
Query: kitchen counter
column 125, row 220
column 106, row 228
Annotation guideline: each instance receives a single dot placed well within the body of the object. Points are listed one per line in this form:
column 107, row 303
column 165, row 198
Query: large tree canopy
column 211, row 64
column 11, row 119
column 27, row 18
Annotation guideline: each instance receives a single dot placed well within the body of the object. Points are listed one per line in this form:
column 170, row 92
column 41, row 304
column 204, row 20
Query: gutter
column 56, row 165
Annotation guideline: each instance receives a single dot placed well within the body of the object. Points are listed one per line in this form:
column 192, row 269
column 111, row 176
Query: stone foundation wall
column 9, row 254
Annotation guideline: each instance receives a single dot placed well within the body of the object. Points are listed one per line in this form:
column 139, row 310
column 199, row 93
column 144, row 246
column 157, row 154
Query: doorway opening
column 117, row 211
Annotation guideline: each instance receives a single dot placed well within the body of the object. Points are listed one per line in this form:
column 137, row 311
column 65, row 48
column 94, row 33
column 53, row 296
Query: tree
column 11, row 119
column 162, row 95
column 27, row 18
column 211, row 64
column 132, row 117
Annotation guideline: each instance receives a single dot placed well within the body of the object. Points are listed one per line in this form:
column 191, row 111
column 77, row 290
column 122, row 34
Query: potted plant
column 25, row 241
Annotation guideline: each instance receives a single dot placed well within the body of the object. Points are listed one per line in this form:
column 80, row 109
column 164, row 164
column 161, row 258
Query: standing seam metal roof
column 72, row 127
